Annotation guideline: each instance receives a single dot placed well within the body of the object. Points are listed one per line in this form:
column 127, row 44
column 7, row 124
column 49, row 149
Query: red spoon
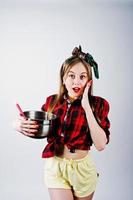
column 20, row 110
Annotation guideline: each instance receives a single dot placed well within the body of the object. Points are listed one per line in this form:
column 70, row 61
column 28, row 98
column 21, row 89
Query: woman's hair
column 65, row 68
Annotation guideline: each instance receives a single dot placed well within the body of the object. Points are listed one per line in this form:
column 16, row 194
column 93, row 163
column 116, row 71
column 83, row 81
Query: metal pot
column 44, row 120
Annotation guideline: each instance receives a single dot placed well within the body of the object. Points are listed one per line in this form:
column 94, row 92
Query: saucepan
column 45, row 121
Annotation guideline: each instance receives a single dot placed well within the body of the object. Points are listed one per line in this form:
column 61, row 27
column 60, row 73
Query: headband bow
column 88, row 58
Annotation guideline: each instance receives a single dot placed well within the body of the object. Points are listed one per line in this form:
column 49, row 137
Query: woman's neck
column 71, row 99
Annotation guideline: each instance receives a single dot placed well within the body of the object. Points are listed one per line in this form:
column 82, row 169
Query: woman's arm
column 98, row 135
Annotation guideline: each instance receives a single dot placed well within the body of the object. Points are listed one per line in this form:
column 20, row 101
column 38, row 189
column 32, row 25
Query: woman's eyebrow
column 71, row 72
column 84, row 73
column 75, row 73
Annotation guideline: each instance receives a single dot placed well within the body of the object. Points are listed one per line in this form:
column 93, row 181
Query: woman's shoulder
column 99, row 98
column 52, row 97
column 99, row 101
column 48, row 101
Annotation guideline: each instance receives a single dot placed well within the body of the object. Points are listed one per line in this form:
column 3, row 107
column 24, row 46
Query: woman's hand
column 98, row 135
column 26, row 127
column 85, row 100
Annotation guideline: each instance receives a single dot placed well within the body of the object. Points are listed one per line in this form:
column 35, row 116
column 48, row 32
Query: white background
column 36, row 36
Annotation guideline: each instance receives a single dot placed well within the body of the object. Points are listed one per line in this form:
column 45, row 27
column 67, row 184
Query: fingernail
column 90, row 81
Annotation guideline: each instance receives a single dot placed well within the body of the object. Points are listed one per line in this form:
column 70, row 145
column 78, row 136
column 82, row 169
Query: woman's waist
column 77, row 154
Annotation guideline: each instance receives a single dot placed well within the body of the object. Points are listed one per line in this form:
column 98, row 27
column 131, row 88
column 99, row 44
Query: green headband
column 88, row 58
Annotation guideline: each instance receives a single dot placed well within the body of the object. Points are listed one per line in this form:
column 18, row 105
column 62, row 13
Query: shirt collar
column 72, row 102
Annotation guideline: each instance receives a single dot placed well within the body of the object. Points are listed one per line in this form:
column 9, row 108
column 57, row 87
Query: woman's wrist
column 87, row 108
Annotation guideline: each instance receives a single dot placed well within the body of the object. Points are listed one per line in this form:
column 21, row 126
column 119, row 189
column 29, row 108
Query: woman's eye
column 82, row 77
column 71, row 76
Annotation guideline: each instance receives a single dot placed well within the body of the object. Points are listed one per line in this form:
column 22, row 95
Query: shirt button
column 72, row 150
column 62, row 134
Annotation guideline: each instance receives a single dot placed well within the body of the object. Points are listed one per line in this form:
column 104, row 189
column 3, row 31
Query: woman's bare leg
column 85, row 198
column 60, row 194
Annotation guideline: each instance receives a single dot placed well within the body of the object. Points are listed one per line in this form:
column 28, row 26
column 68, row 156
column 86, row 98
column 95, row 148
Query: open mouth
column 76, row 89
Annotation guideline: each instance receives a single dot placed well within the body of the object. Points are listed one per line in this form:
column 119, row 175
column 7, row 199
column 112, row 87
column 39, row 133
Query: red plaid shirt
column 72, row 128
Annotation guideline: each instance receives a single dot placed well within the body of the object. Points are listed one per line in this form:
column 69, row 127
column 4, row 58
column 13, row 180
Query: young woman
column 70, row 171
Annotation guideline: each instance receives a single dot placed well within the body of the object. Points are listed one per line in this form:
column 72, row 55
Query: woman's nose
column 76, row 81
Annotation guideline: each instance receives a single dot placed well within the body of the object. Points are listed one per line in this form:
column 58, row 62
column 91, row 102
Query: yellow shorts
column 79, row 175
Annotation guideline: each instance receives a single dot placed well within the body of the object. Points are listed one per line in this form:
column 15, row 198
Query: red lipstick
column 76, row 89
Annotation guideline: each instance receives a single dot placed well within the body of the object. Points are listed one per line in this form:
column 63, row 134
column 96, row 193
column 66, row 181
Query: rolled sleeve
column 102, row 108
column 104, row 121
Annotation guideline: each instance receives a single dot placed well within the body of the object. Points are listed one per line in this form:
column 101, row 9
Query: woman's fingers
column 85, row 100
column 27, row 127
column 87, row 88
column 28, row 121
column 89, row 84
column 27, row 133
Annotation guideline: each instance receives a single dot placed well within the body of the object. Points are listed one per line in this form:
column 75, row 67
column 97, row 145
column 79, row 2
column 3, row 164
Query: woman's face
column 75, row 80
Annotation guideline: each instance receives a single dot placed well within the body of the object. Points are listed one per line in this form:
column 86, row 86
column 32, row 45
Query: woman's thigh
column 90, row 197
column 60, row 194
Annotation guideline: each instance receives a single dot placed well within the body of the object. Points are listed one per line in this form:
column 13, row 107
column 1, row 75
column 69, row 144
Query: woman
column 70, row 172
